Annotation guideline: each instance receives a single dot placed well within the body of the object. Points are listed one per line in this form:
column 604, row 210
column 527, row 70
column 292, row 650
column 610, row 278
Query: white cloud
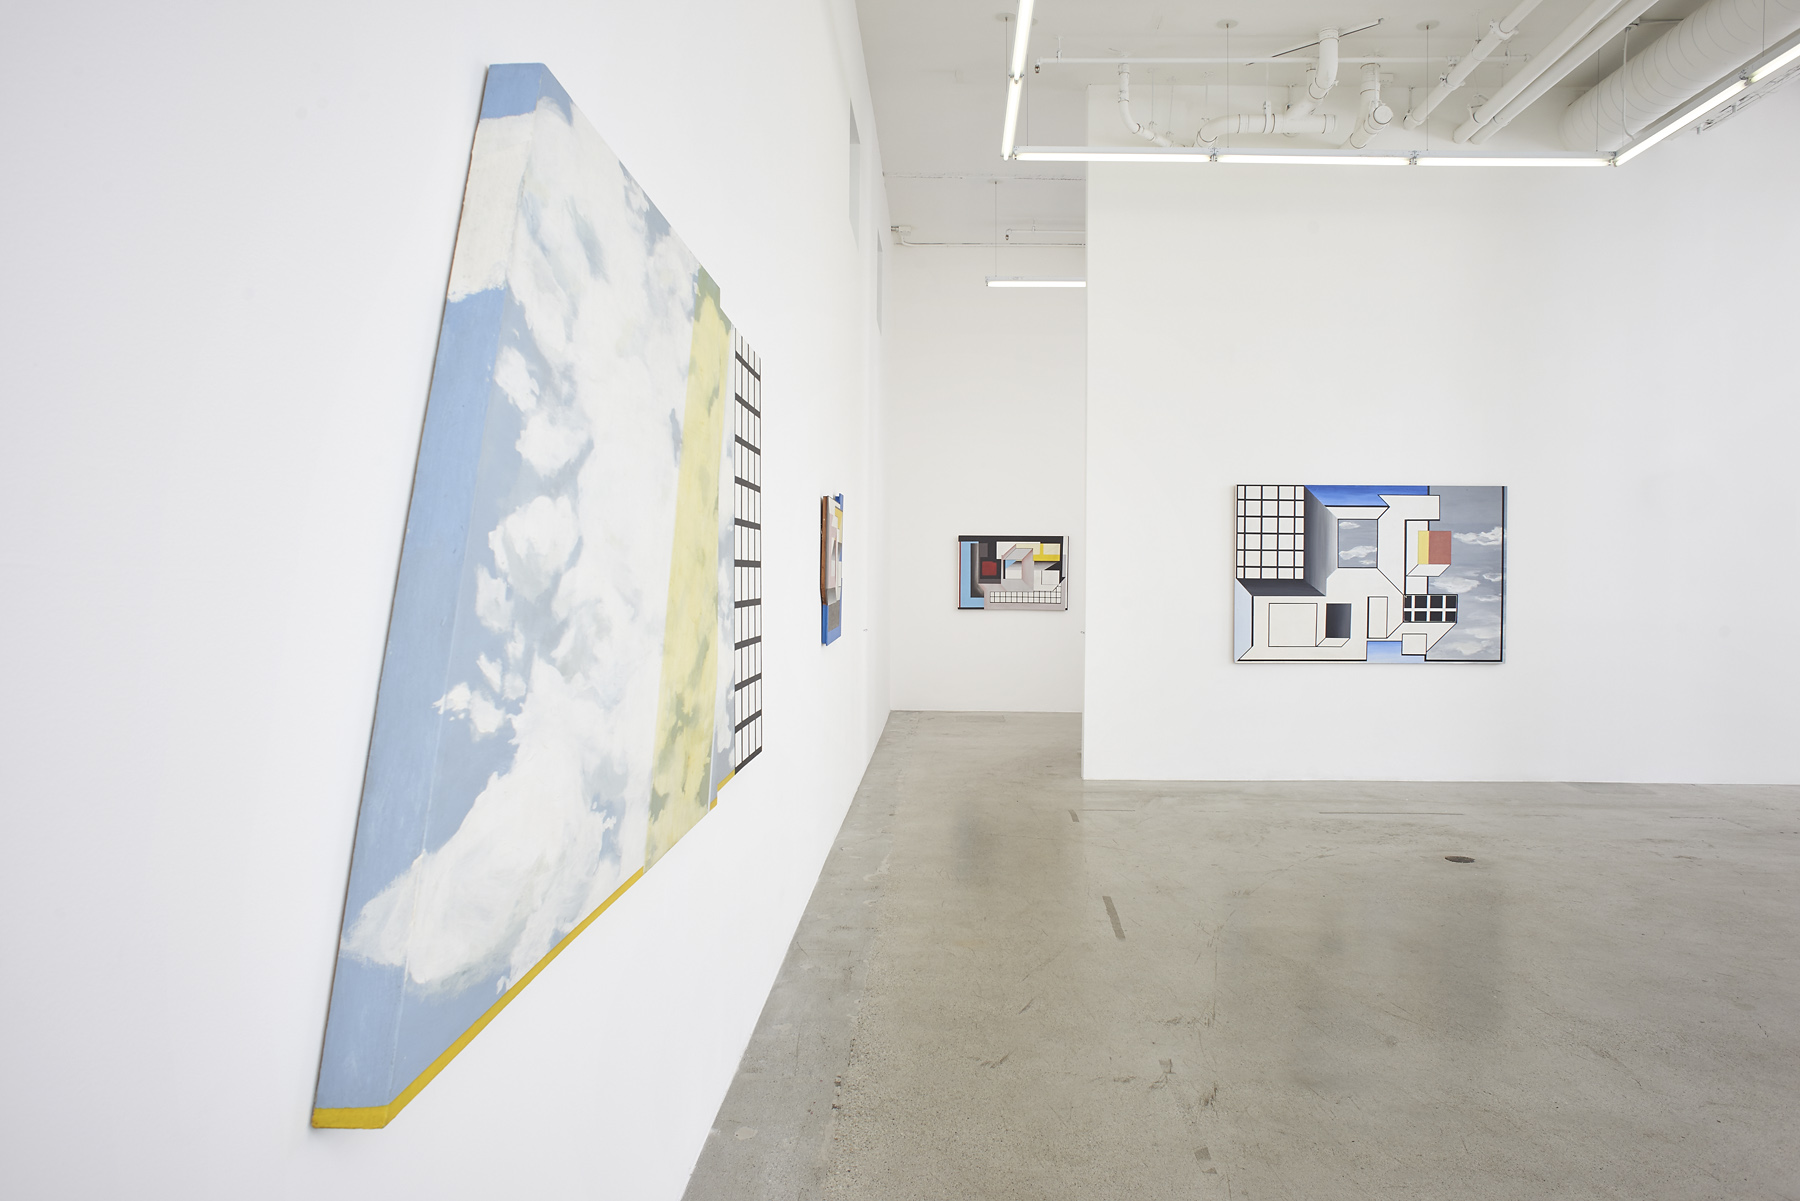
column 493, row 603
column 485, row 715
column 549, row 446
column 534, row 542
column 454, row 701
column 490, row 671
column 1492, row 577
column 1482, row 537
column 513, row 374
column 1456, row 583
column 1357, row 552
column 525, row 865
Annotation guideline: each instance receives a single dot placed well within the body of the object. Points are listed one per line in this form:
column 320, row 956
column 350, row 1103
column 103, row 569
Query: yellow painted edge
column 373, row 1117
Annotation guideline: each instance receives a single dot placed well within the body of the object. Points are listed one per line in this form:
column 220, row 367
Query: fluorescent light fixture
column 1015, row 79
column 1013, row 87
column 1321, row 160
column 1682, row 122
column 1104, row 154
column 1022, row 39
column 1485, row 160
column 1013, row 281
column 1775, row 64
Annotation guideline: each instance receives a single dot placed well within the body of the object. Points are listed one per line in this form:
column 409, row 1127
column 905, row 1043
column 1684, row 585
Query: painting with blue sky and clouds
column 556, row 705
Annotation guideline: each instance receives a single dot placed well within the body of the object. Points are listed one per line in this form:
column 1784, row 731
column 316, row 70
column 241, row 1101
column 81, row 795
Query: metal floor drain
column 1459, row 858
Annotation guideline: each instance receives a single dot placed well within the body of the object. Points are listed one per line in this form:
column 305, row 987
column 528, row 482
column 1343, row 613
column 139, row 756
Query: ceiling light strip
column 1302, row 158
column 1015, row 79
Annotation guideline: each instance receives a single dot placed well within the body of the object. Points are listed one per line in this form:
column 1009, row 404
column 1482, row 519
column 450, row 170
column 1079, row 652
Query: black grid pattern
column 747, row 509
column 1271, row 532
column 1420, row 606
column 996, row 597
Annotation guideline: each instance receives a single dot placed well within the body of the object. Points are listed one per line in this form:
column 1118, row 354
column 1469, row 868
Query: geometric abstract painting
column 996, row 571
column 559, row 698
column 1355, row 573
column 831, row 567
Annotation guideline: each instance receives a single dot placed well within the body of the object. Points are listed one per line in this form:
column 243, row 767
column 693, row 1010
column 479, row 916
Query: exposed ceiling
column 937, row 70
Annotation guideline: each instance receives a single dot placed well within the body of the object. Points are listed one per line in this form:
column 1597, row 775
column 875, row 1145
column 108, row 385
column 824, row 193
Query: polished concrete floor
column 1014, row 984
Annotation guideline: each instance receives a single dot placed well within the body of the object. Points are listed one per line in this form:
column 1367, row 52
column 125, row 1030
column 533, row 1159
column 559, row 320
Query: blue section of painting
column 1242, row 617
column 514, row 88
column 966, row 596
column 1363, row 494
column 397, row 786
column 1389, row 652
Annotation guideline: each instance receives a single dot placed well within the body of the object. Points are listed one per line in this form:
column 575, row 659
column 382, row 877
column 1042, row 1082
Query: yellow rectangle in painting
column 682, row 769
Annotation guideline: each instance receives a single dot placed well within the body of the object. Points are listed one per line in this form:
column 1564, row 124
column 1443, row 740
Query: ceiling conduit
column 1498, row 34
column 1375, row 115
column 1147, row 130
column 1525, row 76
column 1718, row 36
column 1589, row 46
column 1299, row 117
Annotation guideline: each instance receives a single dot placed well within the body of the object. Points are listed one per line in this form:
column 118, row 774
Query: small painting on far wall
column 831, row 568
column 1369, row 573
column 1006, row 571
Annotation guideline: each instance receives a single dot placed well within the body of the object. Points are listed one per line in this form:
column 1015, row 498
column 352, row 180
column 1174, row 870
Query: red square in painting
column 1440, row 546
column 990, row 568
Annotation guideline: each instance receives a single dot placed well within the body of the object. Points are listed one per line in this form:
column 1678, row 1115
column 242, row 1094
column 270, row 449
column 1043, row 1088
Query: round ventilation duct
column 1720, row 35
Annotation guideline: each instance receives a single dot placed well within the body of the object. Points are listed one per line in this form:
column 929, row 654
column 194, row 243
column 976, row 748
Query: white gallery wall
column 227, row 231
column 1614, row 346
column 985, row 393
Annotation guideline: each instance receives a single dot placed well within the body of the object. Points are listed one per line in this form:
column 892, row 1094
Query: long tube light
column 1496, row 160
column 1014, row 281
column 1775, row 64
column 1015, row 78
column 1307, row 158
column 1682, row 122
column 1321, row 160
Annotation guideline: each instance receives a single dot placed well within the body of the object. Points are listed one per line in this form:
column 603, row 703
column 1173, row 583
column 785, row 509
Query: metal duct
column 1720, row 35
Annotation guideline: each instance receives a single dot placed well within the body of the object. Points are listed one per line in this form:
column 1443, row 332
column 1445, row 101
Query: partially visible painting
column 559, row 702
column 831, row 567
column 1011, row 572
column 1364, row 573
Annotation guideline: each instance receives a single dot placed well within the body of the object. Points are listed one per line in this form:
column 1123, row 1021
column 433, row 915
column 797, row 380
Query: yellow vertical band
column 680, row 782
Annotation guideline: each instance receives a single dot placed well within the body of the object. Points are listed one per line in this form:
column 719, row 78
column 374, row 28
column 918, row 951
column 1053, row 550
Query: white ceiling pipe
column 1299, row 117
column 1376, row 116
column 1525, row 76
column 1147, row 130
column 1557, row 72
column 1267, row 121
column 1499, row 33
column 1325, row 78
column 1718, row 36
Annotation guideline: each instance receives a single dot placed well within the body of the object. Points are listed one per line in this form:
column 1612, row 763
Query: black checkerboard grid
column 1271, row 532
column 1436, row 607
column 747, row 666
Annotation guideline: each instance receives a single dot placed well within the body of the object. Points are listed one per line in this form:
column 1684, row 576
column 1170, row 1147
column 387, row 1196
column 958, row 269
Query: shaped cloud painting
column 555, row 706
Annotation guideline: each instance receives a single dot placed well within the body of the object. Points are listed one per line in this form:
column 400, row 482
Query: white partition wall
column 985, row 429
column 1616, row 347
